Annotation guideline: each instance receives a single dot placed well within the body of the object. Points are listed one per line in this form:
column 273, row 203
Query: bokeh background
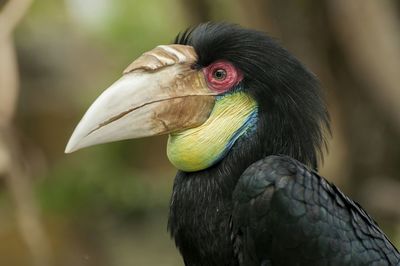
column 108, row 205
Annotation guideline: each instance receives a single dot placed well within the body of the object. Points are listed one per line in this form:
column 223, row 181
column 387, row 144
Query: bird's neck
column 201, row 206
column 201, row 203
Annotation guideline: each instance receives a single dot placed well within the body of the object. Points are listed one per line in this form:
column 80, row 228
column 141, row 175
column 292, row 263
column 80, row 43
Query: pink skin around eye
column 232, row 78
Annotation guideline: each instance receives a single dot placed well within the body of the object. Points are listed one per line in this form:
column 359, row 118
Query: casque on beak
column 159, row 93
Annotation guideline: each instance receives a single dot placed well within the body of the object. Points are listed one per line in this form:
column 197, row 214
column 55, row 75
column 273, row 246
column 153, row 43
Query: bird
column 247, row 126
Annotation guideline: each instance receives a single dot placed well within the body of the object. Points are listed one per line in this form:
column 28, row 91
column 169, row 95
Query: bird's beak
column 159, row 93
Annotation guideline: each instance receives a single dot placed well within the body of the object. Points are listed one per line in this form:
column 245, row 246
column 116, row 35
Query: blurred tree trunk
column 8, row 67
column 12, row 164
column 369, row 34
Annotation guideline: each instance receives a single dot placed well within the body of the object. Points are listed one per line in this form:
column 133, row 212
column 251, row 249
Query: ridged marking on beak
column 181, row 57
column 162, row 56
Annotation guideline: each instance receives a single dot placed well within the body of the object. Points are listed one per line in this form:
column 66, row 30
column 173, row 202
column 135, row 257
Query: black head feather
column 292, row 114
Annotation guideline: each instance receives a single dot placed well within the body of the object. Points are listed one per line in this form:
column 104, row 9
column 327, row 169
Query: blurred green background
column 108, row 205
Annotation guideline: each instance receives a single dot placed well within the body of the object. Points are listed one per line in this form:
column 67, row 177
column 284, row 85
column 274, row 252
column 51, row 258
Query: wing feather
column 286, row 214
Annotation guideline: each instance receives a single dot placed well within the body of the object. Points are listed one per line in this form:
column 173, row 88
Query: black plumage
column 277, row 212
column 316, row 223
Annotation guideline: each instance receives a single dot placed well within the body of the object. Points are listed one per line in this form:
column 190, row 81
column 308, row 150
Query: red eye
column 222, row 76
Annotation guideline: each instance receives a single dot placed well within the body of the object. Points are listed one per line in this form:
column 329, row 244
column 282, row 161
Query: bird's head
column 217, row 84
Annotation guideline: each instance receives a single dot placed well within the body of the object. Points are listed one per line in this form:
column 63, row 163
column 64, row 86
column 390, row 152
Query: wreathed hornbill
column 246, row 124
